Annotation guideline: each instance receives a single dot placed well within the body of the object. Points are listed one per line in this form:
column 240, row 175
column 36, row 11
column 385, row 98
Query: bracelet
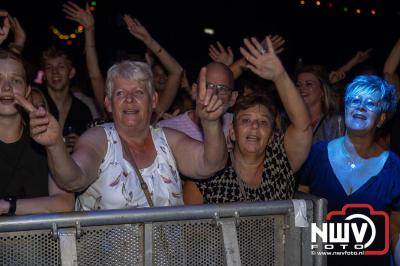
column 13, row 204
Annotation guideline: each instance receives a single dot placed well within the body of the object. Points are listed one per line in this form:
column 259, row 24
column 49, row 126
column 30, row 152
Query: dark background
column 317, row 34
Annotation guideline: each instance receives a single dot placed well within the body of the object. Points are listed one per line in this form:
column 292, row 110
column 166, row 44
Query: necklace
column 350, row 161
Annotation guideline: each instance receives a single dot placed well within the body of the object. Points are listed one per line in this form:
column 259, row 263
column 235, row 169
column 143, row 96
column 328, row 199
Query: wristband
column 13, row 204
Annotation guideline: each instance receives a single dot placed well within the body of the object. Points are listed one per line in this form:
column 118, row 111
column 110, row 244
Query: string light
column 73, row 35
column 352, row 10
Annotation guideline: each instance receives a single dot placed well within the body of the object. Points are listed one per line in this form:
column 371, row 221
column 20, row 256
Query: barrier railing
column 262, row 233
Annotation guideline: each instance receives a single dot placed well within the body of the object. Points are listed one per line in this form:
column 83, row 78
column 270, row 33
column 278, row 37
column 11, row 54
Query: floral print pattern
column 117, row 185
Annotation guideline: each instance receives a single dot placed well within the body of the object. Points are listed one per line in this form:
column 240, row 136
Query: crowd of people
column 245, row 130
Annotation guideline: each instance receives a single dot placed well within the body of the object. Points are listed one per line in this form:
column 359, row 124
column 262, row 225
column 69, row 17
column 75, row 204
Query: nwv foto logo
column 337, row 236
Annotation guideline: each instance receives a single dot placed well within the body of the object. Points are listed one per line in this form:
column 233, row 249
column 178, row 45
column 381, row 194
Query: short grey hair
column 130, row 70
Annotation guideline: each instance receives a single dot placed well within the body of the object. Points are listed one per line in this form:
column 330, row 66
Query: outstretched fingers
column 270, row 46
column 202, row 88
column 214, row 104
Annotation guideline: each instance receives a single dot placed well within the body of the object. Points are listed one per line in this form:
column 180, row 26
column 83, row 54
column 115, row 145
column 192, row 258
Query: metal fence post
column 148, row 244
column 231, row 244
column 68, row 254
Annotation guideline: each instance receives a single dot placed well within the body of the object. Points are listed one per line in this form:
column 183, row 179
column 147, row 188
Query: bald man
column 220, row 78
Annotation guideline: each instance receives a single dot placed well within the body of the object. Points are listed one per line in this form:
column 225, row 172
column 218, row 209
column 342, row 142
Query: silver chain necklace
column 350, row 161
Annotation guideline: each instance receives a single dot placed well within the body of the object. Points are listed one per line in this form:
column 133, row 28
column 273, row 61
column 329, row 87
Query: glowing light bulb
column 209, row 31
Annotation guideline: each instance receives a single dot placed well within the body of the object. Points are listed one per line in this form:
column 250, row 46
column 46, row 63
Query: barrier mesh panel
column 260, row 240
column 29, row 248
column 193, row 242
column 187, row 243
column 116, row 245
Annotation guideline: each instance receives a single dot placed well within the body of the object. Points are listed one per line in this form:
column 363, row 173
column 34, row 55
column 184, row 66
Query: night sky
column 322, row 35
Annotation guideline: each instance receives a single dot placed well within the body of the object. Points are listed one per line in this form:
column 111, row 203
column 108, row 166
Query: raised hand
column 277, row 42
column 208, row 106
column 78, row 14
column 361, row 56
column 4, row 26
column 220, row 55
column 44, row 128
column 19, row 33
column 336, row 76
column 263, row 62
column 137, row 29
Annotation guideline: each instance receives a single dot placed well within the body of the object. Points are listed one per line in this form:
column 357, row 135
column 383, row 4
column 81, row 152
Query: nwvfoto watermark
column 337, row 236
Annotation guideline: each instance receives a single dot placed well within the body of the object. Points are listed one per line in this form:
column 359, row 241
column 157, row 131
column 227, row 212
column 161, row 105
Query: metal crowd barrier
column 262, row 233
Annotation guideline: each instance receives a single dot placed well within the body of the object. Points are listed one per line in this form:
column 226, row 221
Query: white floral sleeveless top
column 117, row 185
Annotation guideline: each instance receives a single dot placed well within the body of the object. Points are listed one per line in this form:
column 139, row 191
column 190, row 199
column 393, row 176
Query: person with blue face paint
column 355, row 168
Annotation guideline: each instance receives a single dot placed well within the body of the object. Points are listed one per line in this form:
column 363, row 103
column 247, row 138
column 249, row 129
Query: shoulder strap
column 143, row 184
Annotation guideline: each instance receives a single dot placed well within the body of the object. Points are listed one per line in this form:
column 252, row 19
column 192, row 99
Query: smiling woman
column 313, row 85
column 263, row 161
column 355, row 168
column 129, row 163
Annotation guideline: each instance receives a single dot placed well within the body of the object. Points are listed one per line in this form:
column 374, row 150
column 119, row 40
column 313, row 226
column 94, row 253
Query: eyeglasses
column 220, row 89
column 370, row 104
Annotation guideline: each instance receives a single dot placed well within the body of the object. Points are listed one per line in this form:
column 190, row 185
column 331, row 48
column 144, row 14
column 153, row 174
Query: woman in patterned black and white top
column 263, row 160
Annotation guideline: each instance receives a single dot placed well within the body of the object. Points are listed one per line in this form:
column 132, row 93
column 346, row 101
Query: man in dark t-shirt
column 72, row 114
column 25, row 184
